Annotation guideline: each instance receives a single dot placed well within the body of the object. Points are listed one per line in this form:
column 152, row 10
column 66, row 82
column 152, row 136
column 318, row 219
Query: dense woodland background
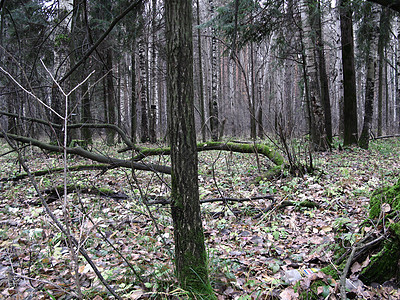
column 251, row 63
column 79, row 77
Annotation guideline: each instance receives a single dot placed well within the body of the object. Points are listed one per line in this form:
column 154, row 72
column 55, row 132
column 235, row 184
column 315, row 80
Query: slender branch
column 30, row 93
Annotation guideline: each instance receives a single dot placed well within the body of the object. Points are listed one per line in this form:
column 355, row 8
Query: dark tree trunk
column 133, row 99
column 110, row 97
column 384, row 29
column 349, row 78
column 369, row 102
column 57, row 106
column 325, row 99
column 86, row 133
column 371, row 53
column 153, row 106
column 190, row 252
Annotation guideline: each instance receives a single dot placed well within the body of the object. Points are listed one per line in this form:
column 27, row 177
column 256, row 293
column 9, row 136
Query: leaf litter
column 248, row 256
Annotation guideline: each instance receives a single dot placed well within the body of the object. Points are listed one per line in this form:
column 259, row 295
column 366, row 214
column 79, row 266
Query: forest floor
column 251, row 244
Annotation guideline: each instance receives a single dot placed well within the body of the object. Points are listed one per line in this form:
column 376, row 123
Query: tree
column 384, row 31
column 350, row 129
column 309, row 16
column 213, row 99
column 144, row 100
column 190, row 252
column 368, row 36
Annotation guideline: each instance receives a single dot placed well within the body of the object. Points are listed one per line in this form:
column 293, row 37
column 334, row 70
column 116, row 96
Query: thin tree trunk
column 133, row 99
column 144, row 125
column 201, row 84
column 153, row 106
column 190, row 251
column 397, row 77
column 213, row 100
column 110, row 97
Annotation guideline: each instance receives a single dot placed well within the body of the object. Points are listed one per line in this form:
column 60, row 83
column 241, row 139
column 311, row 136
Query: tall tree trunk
column 252, row 100
column 325, row 99
column 371, row 62
column 213, row 100
column 384, row 29
column 260, row 108
column 350, row 134
column 133, row 99
column 153, row 106
column 201, row 83
column 369, row 102
column 317, row 116
column 190, row 252
column 144, row 104
column 86, row 133
column 397, row 77
column 111, row 103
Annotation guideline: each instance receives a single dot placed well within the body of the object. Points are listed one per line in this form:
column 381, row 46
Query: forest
column 205, row 149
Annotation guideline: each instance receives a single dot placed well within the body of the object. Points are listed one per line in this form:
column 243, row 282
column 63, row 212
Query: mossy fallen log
column 54, row 193
column 260, row 149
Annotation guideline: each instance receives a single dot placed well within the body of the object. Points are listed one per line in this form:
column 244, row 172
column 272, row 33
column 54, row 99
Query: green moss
column 384, row 264
column 395, row 228
column 81, row 143
column 330, row 270
column 390, row 195
column 312, row 292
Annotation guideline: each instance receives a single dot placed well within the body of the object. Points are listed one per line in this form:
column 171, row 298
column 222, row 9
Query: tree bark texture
column 111, row 103
column 350, row 129
column 144, row 103
column 213, row 100
column 317, row 116
column 370, row 83
column 190, row 252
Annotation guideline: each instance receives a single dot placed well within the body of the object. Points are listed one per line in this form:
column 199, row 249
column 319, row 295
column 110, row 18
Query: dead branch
column 386, row 136
column 103, row 167
column 53, row 194
column 114, row 162
column 287, row 203
column 166, row 201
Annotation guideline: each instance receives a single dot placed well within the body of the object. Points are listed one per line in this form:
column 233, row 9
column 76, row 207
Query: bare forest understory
column 256, row 229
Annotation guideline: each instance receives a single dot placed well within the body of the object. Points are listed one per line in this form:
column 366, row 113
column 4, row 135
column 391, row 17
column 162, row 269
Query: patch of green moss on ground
column 384, row 264
column 312, row 292
column 390, row 195
column 330, row 270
